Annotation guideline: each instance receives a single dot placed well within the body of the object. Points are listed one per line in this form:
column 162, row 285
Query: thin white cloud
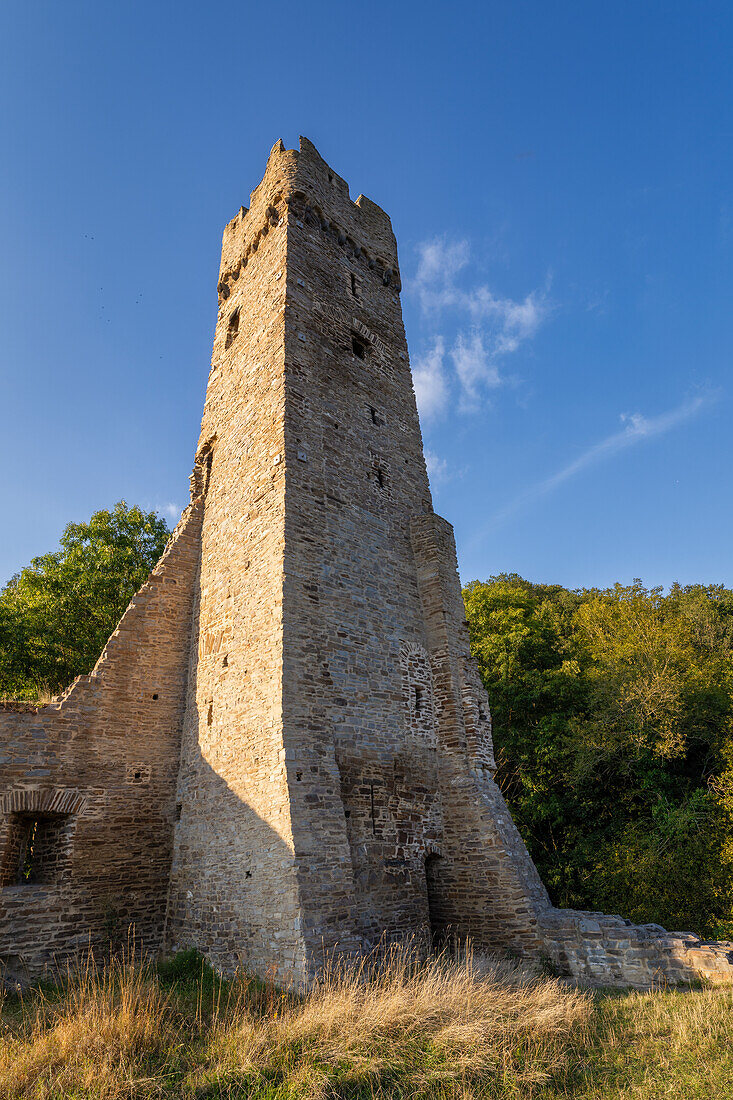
column 475, row 368
column 430, row 381
column 637, row 428
column 171, row 511
column 437, row 468
column 497, row 327
column 518, row 321
column 438, row 264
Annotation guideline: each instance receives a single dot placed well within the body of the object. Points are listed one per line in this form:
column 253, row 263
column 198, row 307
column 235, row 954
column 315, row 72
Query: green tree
column 57, row 614
column 613, row 720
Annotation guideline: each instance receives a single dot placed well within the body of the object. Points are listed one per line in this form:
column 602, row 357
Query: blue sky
column 560, row 180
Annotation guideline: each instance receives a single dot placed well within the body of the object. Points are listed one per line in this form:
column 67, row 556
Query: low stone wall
column 603, row 950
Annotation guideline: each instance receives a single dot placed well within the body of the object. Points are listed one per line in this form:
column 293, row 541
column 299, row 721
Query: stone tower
column 336, row 746
column 285, row 748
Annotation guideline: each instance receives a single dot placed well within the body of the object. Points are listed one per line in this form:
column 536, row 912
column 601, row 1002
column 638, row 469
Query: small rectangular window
column 138, row 774
column 418, row 700
column 358, row 347
column 38, row 852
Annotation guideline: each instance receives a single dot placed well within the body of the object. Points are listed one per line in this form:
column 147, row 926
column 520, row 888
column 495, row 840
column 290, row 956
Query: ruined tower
column 285, row 748
column 334, row 720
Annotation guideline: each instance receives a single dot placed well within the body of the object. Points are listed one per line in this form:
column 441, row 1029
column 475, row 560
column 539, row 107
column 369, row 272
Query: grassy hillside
column 444, row 1029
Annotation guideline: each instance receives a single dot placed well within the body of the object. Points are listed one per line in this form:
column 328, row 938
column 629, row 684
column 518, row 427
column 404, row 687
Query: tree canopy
column 57, row 614
column 613, row 729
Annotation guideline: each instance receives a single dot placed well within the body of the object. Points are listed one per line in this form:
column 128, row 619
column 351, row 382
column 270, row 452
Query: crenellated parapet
column 302, row 183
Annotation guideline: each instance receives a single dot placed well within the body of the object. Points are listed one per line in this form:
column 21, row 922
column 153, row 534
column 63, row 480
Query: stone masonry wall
column 598, row 949
column 490, row 890
column 97, row 770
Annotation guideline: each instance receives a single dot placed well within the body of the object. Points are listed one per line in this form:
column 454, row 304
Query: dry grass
column 41, row 697
column 388, row 1027
column 447, row 1028
column 434, row 1028
column 89, row 1038
column 645, row 1046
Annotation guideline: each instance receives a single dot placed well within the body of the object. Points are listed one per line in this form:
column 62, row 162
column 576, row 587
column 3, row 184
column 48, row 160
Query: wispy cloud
column 489, row 328
column 475, row 367
column 439, row 261
column 171, row 511
column 430, row 381
column 437, row 468
column 636, row 429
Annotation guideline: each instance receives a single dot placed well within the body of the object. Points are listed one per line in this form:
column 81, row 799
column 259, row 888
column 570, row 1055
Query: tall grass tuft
column 391, row 1024
column 92, row 1034
column 394, row 1021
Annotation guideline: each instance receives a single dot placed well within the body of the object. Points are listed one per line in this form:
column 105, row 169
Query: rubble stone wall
column 360, row 743
column 98, row 770
column 601, row 950
column 488, row 887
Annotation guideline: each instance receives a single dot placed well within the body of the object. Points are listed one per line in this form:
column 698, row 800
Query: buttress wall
column 97, row 773
column 487, row 888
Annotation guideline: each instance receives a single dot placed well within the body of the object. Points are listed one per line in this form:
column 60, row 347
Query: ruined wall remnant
column 87, row 784
column 285, row 749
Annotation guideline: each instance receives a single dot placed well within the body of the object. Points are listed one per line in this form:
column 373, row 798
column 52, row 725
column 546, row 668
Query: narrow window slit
column 232, row 328
column 27, row 868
